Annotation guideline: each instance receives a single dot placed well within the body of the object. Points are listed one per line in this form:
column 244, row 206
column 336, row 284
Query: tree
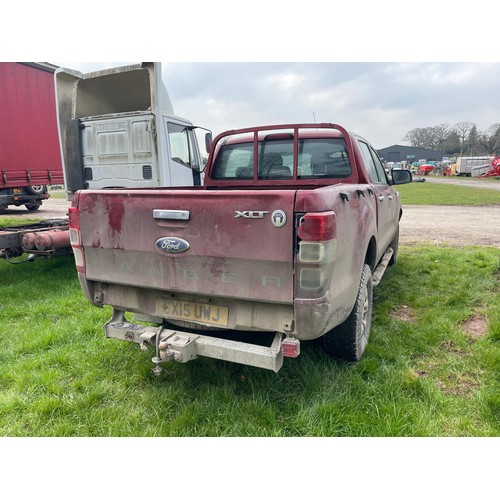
column 416, row 137
column 463, row 129
column 461, row 139
column 439, row 135
column 451, row 145
column 472, row 140
column 422, row 138
column 428, row 137
column 490, row 139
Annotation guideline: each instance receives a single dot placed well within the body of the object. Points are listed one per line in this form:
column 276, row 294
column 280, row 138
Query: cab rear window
column 317, row 158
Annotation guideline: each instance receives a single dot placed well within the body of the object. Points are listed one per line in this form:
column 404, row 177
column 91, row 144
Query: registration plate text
column 192, row 311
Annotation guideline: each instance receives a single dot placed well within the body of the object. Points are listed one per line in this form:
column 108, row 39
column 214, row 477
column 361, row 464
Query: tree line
column 461, row 139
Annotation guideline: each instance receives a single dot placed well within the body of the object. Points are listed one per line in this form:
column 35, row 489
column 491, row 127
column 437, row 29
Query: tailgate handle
column 171, row 214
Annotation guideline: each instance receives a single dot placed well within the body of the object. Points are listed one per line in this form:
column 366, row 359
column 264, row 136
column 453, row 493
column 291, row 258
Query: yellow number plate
column 192, row 311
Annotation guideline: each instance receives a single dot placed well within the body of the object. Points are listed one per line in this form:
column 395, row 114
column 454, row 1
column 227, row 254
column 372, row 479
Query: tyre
column 39, row 189
column 349, row 340
column 32, row 207
column 394, row 245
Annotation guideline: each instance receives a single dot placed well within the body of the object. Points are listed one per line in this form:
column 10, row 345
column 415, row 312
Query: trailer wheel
column 38, row 189
column 349, row 340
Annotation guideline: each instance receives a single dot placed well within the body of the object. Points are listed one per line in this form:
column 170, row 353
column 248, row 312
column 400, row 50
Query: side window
column 379, row 167
column 369, row 162
column 180, row 150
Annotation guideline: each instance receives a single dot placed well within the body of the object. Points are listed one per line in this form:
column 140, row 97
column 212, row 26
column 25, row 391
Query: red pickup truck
column 293, row 227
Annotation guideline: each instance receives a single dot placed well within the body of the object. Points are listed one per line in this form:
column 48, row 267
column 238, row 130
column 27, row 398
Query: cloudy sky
column 374, row 67
column 381, row 101
column 388, row 76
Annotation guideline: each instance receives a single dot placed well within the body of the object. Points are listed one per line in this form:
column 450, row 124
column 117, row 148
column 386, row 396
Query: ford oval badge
column 171, row 244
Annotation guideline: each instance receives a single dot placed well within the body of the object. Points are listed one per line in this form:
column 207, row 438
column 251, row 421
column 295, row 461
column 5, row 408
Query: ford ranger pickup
column 293, row 227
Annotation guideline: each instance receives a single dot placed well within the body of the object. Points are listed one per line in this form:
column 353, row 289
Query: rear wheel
column 32, row 207
column 38, row 189
column 349, row 340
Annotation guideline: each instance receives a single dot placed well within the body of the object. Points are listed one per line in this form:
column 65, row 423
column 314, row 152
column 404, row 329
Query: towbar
column 181, row 346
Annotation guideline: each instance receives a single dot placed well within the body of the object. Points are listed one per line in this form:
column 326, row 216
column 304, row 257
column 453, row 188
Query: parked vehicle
column 113, row 128
column 292, row 229
column 117, row 128
column 426, row 168
column 494, row 169
column 466, row 165
column 29, row 147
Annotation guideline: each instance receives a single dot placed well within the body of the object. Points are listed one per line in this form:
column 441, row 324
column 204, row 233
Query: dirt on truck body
column 293, row 227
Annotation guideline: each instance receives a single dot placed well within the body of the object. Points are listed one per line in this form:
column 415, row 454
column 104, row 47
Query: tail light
column 317, row 247
column 317, row 226
column 75, row 239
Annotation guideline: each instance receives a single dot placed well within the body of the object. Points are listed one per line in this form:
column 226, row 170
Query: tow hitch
column 182, row 346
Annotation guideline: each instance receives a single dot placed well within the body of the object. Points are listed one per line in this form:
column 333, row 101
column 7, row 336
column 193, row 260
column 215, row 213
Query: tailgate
column 234, row 243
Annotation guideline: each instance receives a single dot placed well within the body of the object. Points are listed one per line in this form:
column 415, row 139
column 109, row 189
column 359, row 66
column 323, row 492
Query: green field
column 432, row 367
column 427, row 193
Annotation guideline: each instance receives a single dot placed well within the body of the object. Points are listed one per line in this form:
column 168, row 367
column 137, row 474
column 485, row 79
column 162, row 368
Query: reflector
column 290, row 347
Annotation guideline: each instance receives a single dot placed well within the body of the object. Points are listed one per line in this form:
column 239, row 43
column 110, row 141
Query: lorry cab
column 117, row 128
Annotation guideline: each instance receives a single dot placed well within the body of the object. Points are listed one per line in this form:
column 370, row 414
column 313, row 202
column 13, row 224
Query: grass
column 424, row 373
column 9, row 221
column 58, row 194
column 426, row 193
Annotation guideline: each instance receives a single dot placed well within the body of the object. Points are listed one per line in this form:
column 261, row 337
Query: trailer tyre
column 38, row 189
column 349, row 340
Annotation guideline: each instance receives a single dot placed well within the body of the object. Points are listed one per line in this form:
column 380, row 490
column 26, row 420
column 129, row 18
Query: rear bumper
column 242, row 315
column 306, row 319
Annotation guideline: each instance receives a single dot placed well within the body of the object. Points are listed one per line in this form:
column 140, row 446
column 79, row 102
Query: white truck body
column 466, row 165
column 117, row 128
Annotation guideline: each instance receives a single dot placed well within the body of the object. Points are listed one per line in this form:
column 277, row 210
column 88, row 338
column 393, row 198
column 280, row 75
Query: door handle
column 171, row 214
column 381, row 198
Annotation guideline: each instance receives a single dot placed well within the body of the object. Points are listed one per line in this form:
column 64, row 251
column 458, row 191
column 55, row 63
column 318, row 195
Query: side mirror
column 400, row 176
column 208, row 141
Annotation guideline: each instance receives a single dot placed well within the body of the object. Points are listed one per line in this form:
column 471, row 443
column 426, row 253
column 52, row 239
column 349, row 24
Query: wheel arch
column 371, row 253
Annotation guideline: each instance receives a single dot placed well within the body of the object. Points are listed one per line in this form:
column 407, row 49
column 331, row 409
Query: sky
column 381, row 101
column 379, row 69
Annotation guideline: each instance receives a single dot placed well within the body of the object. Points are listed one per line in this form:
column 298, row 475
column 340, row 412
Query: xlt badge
column 250, row 214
